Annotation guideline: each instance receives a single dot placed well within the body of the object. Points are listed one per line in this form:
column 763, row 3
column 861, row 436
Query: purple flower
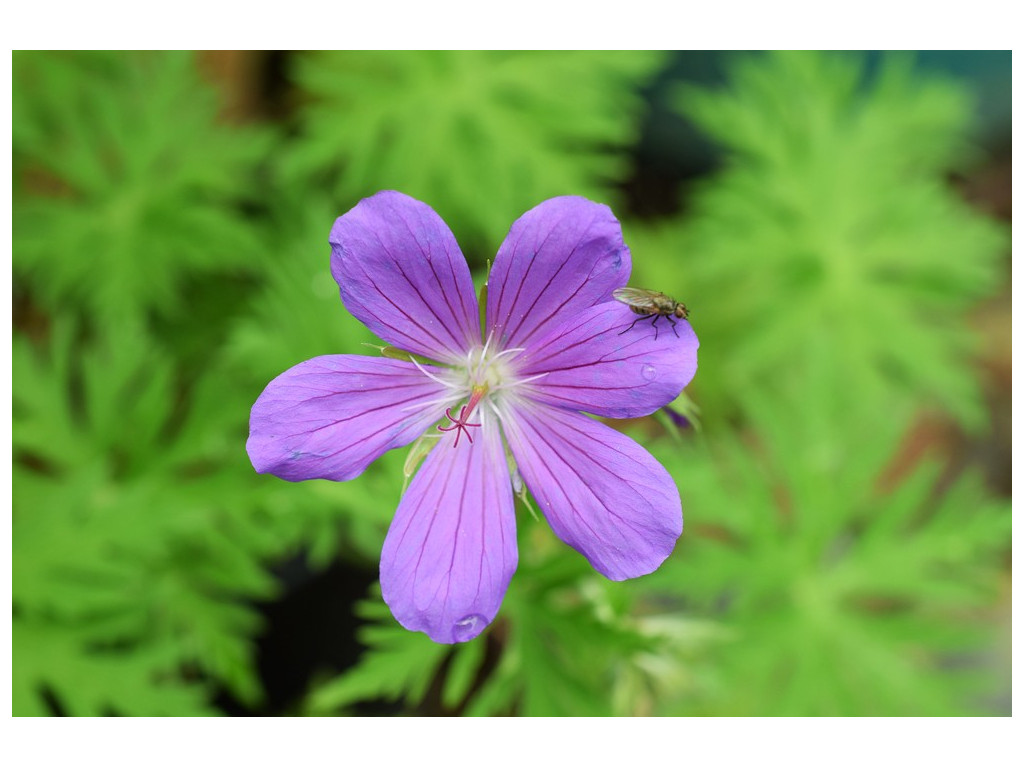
column 506, row 403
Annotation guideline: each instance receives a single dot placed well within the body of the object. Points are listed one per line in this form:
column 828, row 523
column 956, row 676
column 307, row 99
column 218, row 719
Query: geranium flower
column 553, row 345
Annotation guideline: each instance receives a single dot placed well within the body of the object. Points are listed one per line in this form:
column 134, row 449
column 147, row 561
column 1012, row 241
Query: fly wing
column 637, row 297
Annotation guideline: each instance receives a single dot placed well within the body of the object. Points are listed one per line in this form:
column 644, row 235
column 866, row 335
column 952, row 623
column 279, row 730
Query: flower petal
column 595, row 362
column 451, row 549
column 331, row 416
column 402, row 274
column 602, row 493
column 561, row 257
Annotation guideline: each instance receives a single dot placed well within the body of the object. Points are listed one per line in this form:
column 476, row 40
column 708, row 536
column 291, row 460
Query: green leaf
column 133, row 538
column 399, row 663
column 566, row 642
column 126, row 183
column 55, row 659
column 832, row 215
column 481, row 136
column 842, row 597
column 465, row 665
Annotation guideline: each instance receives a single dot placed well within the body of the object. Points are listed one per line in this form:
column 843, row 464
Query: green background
column 837, row 223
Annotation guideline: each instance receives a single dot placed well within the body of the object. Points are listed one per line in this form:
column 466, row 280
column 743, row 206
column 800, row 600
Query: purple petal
column 331, row 416
column 402, row 274
column 451, row 549
column 559, row 258
column 595, row 362
column 602, row 493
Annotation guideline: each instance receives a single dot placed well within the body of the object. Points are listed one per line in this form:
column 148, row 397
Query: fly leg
column 674, row 327
column 654, row 325
column 642, row 317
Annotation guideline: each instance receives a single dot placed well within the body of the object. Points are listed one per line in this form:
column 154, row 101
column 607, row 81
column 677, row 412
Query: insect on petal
column 590, row 364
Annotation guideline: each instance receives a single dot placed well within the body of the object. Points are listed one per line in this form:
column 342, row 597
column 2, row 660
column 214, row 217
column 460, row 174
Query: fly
column 651, row 304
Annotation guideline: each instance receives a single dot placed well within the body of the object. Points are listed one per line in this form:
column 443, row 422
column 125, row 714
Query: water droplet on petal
column 649, row 372
column 468, row 627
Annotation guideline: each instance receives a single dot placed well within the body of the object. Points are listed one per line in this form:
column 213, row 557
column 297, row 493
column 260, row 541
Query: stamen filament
column 494, row 409
column 428, row 374
column 519, row 382
column 487, row 344
column 430, row 403
column 509, row 351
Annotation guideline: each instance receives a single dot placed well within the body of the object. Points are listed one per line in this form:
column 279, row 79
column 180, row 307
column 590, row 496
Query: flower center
column 489, row 369
column 486, row 377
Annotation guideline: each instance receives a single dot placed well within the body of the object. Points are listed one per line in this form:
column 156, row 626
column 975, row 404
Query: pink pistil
column 460, row 424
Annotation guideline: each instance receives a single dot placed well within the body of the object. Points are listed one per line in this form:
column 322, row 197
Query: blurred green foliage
column 169, row 263
column 832, row 215
column 125, row 172
column 514, row 127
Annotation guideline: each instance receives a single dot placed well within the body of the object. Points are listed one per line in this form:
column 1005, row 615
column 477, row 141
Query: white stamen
column 509, row 351
column 487, row 344
column 449, row 400
column 429, row 375
column 518, row 382
column 494, row 407
column 497, row 408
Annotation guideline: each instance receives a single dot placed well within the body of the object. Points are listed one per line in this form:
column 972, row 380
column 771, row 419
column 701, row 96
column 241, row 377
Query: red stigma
column 460, row 424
